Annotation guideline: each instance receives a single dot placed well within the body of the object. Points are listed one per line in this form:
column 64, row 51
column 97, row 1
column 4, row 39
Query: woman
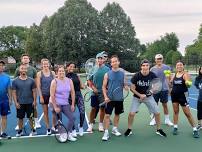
column 60, row 90
column 179, row 93
column 78, row 85
column 198, row 84
column 44, row 78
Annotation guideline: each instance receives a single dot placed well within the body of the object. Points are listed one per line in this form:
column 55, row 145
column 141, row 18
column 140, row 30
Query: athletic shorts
column 24, row 109
column 149, row 102
column 117, row 105
column 46, row 99
column 4, row 108
column 161, row 96
column 181, row 98
column 96, row 100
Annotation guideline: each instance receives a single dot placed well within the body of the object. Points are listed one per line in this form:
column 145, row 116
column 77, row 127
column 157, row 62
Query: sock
column 166, row 117
column 100, row 124
column 106, row 131
column 175, row 126
column 194, row 129
column 114, row 128
column 36, row 120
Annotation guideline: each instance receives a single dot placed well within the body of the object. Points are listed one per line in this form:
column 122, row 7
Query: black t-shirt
column 74, row 77
column 142, row 82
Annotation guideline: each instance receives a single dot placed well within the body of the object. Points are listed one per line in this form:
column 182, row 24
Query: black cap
column 144, row 61
column 1, row 61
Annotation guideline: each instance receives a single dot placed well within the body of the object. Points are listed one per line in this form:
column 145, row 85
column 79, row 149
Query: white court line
column 194, row 94
column 193, row 98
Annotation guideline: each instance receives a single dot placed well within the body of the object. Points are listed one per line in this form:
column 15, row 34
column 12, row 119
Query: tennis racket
column 87, row 94
column 117, row 94
column 155, row 87
column 90, row 67
column 62, row 134
column 27, row 122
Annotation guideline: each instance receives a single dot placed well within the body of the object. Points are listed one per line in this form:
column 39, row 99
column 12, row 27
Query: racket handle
column 149, row 93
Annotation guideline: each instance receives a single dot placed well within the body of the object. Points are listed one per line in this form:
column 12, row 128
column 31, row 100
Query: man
column 24, row 96
column 5, row 99
column 96, row 82
column 32, row 73
column 113, row 84
column 160, row 70
column 140, row 84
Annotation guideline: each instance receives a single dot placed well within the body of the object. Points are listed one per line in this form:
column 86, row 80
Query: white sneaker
column 74, row 133
column 90, row 128
column 37, row 124
column 80, row 131
column 152, row 122
column 116, row 132
column 105, row 136
column 54, row 129
column 71, row 138
column 19, row 133
column 17, row 127
column 63, row 137
column 101, row 127
column 33, row 133
column 168, row 122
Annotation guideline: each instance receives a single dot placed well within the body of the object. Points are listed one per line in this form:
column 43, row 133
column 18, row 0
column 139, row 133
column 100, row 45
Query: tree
column 162, row 46
column 12, row 41
column 118, row 35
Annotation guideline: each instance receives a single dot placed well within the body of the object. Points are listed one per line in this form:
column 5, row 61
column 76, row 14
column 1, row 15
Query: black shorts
column 96, row 100
column 161, row 96
column 25, row 109
column 180, row 98
column 117, row 105
column 46, row 99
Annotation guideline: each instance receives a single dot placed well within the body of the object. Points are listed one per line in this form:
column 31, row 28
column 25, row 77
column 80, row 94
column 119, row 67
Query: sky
column 151, row 18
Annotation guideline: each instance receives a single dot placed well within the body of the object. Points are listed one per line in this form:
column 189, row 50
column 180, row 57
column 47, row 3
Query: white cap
column 157, row 56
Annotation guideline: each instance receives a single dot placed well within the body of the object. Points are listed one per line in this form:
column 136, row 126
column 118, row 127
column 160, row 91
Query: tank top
column 62, row 91
column 179, row 85
column 74, row 77
column 45, row 83
column 115, row 85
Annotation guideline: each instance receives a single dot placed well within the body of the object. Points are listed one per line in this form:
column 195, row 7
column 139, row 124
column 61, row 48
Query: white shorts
column 149, row 102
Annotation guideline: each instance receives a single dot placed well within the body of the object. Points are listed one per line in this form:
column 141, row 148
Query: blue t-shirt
column 5, row 84
column 115, row 85
column 159, row 72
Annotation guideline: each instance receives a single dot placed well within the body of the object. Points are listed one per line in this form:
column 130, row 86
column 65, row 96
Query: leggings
column 199, row 110
column 81, row 107
column 66, row 110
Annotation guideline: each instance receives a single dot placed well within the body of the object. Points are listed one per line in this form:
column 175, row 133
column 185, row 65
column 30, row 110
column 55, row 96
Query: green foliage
column 172, row 56
column 12, row 41
column 166, row 43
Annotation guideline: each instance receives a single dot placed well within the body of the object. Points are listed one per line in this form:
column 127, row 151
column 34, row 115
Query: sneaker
column 161, row 133
column 80, row 131
column 168, row 122
column 195, row 134
column 33, row 133
column 116, row 132
column 101, row 127
column 37, row 124
column 128, row 132
column 48, row 132
column 17, row 127
column 19, row 133
column 54, row 129
column 71, row 138
column 152, row 122
column 175, row 131
column 5, row 136
column 63, row 137
column 199, row 127
column 74, row 133
column 90, row 128
column 105, row 136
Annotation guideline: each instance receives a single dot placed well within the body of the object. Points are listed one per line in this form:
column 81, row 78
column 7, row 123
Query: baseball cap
column 99, row 55
column 1, row 61
column 144, row 61
column 158, row 56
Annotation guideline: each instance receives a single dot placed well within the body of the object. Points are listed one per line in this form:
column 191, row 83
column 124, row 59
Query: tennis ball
column 167, row 73
column 188, row 83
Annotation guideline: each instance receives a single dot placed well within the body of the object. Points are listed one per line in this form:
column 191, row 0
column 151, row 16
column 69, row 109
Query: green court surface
column 144, row 138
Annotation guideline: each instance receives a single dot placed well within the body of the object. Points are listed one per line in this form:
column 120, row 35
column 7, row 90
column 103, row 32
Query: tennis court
column 144, row 138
